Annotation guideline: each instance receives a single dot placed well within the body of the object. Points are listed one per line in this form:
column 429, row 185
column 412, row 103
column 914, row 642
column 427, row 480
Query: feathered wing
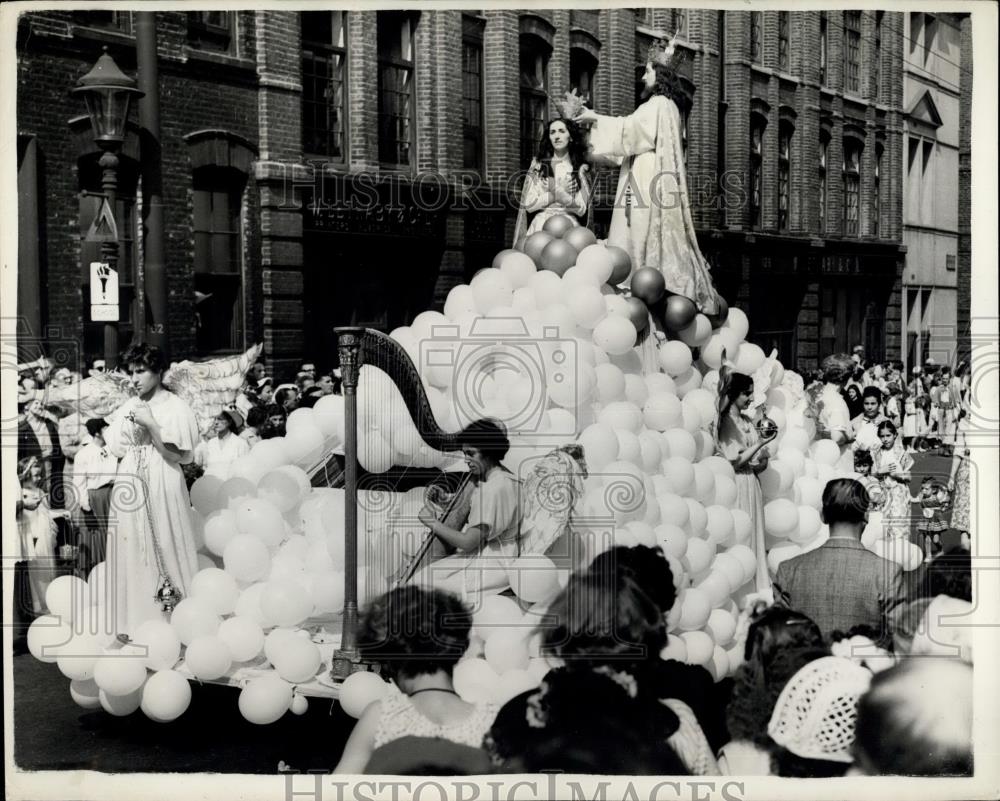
column 209, row 387
column 96, row 396
column 763, row 378
column 548, row 496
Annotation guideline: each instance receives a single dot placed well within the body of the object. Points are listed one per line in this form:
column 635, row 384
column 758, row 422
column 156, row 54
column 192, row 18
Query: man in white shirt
column 833, row 418
column 94, row 471
column 217, row 454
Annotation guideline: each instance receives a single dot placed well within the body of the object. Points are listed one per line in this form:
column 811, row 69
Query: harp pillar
column 346, row 659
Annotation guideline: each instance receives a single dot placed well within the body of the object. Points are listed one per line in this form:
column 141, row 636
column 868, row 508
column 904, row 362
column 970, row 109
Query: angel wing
column 548, row 496
column 96, row 396
column 769, row 373
column 209, row 387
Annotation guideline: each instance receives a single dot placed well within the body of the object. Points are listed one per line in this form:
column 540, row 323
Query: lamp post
column 108, row 93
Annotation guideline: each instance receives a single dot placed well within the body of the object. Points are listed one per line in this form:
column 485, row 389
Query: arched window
column 757, row 125
column 852, row 186
column 784, row 174
column 534, row 64
column 582, row 66
column 221, row 163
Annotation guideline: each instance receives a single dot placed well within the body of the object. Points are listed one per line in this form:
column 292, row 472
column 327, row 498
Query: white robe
column 651, row 220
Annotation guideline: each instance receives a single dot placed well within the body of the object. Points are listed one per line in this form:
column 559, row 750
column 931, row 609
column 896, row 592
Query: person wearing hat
column 216, row 455
column 94, row 476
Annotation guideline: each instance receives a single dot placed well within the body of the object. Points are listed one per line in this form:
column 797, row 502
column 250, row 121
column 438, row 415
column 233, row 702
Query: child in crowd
column 892, row 465
column 893, row 407
column 36, row 531
column 96, row 468
column 865, row 425
column 417, row 635
column 933, row 500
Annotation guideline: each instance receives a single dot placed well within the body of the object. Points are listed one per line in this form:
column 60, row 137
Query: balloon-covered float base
column 272, row 546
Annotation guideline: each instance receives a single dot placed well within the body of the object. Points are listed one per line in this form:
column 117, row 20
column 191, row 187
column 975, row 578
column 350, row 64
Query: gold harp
column 358, row 347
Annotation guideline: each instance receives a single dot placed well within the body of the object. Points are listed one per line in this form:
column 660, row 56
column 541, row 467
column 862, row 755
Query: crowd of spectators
column 834, row 679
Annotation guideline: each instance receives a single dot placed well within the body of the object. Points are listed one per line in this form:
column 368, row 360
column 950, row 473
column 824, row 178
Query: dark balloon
column 637, row 313
column 580, row 238
column 498, row 259
column 559, row 225
column 535, row 244
column 622, row 265
column 558, row 256
column 721, row 315
column 648, row 285
column 679, row 313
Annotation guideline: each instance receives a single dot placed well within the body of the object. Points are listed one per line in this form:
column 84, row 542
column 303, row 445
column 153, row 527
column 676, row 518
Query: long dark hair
column 667, row 84
column 731, row 386
column 577, row 148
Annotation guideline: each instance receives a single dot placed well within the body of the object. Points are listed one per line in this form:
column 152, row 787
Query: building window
column 534, row 61
column 822, row 47
column 852, row 187
column 472, row 94
column 877, row 58
column 783, row 57
column 877, row 194
column 784, row 174
column 110, row 20
column 582, row 67
column 756, row 169
column 212, row 30
column 930, row 34
column 644, row 16
column 756, row 45
column 824, row 147
column 218, row 259
column 852, row 51
column 324, row 82
column 396, row 89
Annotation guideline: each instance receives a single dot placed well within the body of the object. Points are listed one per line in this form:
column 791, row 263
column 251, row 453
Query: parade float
column 567, row 343
column 555, row 348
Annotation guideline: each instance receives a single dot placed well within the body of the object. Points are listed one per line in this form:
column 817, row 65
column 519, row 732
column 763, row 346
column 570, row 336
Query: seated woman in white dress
column 488, row 543
column 556, row 182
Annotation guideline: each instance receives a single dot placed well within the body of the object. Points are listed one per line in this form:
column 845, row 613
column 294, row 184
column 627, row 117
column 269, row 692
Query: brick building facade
column 325, row 168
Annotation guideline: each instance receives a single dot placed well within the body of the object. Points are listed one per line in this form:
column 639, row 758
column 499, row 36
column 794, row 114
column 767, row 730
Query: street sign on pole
column 103, row 293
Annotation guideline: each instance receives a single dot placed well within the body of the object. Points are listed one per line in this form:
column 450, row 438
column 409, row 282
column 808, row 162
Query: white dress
column 400, row 718
column 535, row 199
column 652, row 219
column 149, row 490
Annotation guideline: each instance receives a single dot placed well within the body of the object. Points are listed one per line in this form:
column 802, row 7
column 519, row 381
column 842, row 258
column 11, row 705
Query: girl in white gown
column 556, row 182
column 150, row 535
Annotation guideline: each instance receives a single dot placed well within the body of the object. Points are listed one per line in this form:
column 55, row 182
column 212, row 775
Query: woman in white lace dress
column 417, row 636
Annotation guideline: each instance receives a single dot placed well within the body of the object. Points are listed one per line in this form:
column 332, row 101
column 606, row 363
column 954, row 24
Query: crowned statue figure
column 651, row 219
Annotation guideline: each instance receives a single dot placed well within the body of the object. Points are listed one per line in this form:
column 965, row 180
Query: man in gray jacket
column 842, row 584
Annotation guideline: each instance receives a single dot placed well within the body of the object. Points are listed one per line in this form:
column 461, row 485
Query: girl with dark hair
column 604, row 623
column 151, row 546
column 488, row 542
column 556, row 182
column 737, row 440
column 417, row 636
column 892, row 467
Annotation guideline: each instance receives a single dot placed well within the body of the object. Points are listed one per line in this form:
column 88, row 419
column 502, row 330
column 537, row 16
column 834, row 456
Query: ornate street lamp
column 108, row 93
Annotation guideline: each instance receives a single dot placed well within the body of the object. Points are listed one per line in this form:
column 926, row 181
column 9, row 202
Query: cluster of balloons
column 272, row 557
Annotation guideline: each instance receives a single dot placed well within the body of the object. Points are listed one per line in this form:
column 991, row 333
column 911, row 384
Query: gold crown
column 570, row 106
column 665, row 53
